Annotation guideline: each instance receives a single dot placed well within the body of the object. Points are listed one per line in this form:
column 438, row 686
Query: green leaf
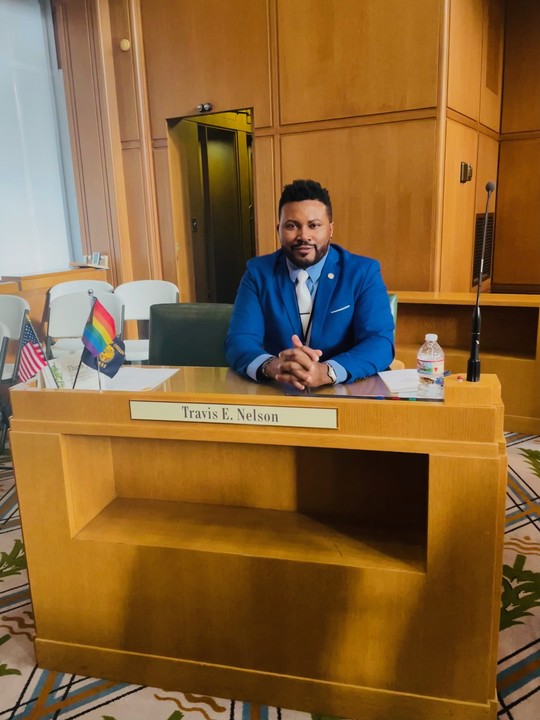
column 520, row 592
column 4, row 670
column 14, row 562
column 533, row 458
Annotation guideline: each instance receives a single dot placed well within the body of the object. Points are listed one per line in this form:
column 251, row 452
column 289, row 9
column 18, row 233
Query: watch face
column 331, row 373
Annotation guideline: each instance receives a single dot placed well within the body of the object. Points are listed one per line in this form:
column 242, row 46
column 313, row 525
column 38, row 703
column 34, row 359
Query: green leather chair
column 191, row 334
column 393, row 308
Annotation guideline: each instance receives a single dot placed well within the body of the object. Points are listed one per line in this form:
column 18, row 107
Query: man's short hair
column 300, row 190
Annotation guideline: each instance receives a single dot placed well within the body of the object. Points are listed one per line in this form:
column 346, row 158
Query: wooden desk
column 8, row 288
column 352, row 570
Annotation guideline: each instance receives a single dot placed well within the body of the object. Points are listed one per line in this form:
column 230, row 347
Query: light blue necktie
column 305, row 302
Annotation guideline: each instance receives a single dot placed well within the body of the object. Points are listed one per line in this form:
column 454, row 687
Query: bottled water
column 430, row 368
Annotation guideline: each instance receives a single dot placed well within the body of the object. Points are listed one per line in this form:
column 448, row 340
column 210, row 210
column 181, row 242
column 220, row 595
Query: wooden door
column 227, row 192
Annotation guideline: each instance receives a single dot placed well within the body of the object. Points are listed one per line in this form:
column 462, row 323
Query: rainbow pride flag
column 99, row 331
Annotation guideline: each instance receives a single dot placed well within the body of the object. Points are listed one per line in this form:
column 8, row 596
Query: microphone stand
column 473, row 364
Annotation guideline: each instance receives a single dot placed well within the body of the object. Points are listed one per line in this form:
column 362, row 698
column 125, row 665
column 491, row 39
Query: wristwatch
column 261, row 372
column 331, row 373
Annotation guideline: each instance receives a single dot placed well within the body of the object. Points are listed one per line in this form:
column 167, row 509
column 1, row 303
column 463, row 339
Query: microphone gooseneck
column 473, row 364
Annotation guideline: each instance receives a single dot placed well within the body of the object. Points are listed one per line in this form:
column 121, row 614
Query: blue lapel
column 287, row 295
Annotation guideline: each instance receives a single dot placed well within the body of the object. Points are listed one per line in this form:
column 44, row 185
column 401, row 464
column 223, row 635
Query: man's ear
column 277, row 228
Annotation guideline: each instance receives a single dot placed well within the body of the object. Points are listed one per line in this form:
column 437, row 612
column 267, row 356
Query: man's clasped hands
column 299, row 366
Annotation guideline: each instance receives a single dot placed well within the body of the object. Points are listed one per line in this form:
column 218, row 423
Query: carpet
column 31, row 693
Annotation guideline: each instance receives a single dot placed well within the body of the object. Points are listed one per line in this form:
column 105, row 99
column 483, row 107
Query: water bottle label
column 430, row 367
column 430, row 383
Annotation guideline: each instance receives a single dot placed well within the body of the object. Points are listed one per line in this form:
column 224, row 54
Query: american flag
column 31, row 358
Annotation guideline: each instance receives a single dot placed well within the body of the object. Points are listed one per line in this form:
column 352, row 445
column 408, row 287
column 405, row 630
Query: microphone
column 473, row 365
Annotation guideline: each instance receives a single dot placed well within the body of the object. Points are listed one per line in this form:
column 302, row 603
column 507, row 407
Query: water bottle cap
column 431, row 337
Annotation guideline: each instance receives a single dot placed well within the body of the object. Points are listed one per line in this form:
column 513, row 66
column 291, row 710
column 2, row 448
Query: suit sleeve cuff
column 254, row 365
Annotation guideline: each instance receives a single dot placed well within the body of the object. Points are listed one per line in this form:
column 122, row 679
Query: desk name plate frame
column 233, row 414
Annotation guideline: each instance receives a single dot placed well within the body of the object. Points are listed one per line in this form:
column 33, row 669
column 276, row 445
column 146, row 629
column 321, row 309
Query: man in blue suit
column 349, row 333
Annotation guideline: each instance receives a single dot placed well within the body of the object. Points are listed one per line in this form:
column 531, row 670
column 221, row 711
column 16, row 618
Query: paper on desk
column 400, row 381
column 129, row 377
column 139, row 378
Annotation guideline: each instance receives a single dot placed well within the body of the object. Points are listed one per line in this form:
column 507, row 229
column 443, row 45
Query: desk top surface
column 221, row 381
column 206, row 399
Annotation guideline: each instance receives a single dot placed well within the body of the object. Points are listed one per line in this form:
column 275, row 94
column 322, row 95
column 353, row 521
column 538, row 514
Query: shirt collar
column 314, row 271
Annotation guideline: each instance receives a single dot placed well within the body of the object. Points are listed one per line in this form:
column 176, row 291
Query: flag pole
column 27, row 327
column 26, row 319
column 93, row 299
column 77, row 373
column 103, row 349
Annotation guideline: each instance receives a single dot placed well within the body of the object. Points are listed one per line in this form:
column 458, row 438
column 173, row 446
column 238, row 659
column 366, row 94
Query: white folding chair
column 4, row 340
column 67, row 317
column 72, row 286
column 12, row 311
column 4, row 411
column 138, row 296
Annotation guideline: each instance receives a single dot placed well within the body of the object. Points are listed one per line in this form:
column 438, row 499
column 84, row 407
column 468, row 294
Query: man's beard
column 306, row 262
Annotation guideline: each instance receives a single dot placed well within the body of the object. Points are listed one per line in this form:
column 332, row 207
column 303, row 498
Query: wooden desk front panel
column 265, row 596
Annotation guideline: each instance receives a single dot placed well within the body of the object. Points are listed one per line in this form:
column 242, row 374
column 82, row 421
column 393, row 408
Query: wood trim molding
column 111, row 130
column 440, row 151
column 9, row 288
column 131, row 145
column 516, row 289
column 525, row 135
column 359, row 121
column 145, row 134
column 84, row 39
column 270, row 132
column 473, row 124
column 62, row 36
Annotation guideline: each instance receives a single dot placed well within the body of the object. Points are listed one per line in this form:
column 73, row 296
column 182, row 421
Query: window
column 39, row 229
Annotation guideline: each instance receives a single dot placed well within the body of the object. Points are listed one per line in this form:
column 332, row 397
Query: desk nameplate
column 226, row 414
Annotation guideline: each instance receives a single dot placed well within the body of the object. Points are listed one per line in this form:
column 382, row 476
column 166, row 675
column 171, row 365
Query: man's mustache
column 302, row 244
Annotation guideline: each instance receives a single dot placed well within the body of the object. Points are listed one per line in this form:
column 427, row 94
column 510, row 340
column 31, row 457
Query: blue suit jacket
column 352, row 322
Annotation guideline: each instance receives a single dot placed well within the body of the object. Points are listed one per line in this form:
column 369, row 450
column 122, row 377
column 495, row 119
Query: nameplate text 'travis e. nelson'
column 234, row 414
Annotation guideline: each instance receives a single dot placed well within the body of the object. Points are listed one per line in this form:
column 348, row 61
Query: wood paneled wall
column 346, row 93
column 200, row 51
column 339, row 59
column 521, row 107
column 358, row 95
column 517, row 250
column 458, row 209
column 476, row 42
column 465, row 72
column 381, row 181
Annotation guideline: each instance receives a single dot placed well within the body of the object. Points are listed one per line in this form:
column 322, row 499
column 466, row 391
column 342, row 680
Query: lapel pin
column 330, row 276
